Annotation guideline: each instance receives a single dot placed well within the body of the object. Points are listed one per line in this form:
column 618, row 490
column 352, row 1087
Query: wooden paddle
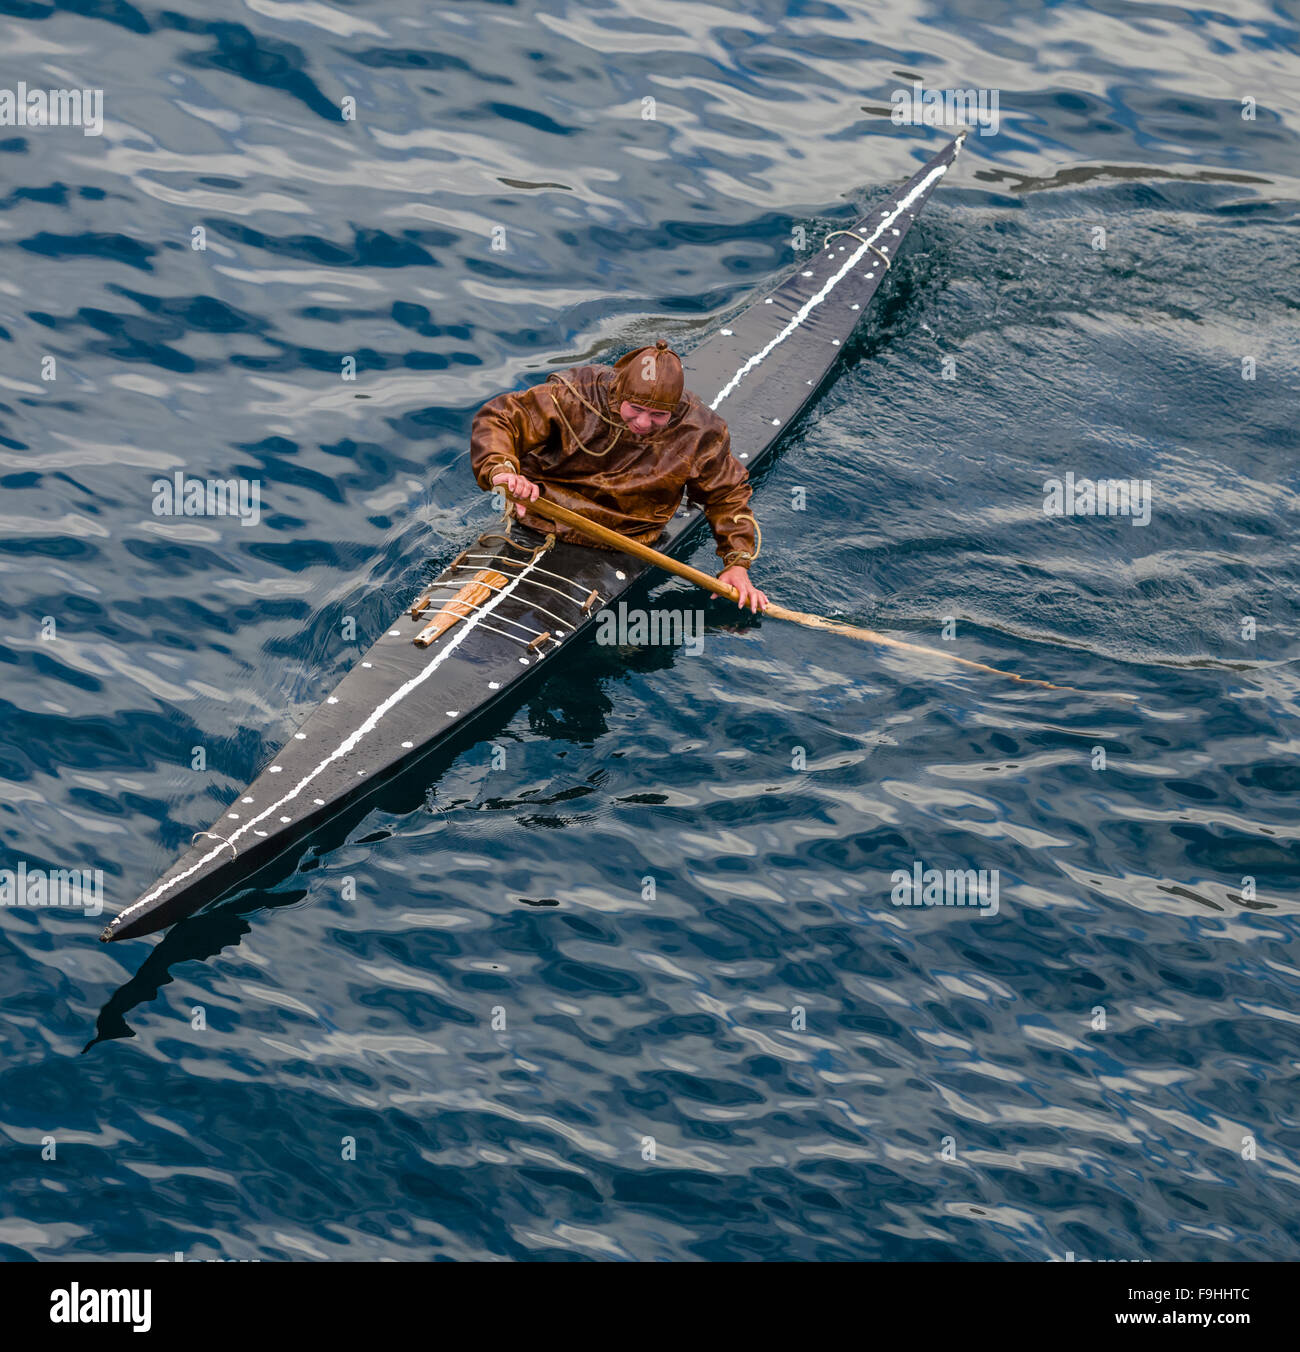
column 554, row 512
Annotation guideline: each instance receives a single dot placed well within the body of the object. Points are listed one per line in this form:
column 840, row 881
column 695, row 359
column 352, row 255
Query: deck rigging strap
column 457, row 608
column 518, row 624
column 514, row 638
column 571, row 600
column 496, row 558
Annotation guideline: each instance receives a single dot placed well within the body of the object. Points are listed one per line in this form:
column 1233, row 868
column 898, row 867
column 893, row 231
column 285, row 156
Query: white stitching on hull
column 341, row 750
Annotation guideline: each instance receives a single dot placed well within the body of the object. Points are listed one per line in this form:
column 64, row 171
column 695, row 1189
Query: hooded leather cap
column 651, row 377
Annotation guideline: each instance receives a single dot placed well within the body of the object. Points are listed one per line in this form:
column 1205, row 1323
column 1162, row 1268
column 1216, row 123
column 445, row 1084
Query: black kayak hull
column 401, row 702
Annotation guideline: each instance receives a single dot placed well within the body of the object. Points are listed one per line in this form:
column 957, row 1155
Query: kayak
column 507, row 606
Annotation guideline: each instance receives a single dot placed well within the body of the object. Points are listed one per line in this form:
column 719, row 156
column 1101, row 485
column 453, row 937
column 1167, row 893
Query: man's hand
column 519, row 488
column 750, row 596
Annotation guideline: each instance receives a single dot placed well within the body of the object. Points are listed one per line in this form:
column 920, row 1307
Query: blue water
column 1107, row 1067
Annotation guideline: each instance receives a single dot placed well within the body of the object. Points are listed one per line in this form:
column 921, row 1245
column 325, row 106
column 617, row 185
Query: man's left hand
column 749, row 595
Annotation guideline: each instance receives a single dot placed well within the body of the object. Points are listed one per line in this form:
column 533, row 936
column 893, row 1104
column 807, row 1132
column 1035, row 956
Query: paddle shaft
column 554, row 512
column 545, row 507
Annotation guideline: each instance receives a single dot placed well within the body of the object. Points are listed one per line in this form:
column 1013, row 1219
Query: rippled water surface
column 668, row 876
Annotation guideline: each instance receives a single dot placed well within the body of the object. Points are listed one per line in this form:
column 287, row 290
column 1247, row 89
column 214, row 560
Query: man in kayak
column 620, row 445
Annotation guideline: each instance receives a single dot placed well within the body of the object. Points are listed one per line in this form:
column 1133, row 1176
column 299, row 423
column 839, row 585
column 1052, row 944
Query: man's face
column 643, row 421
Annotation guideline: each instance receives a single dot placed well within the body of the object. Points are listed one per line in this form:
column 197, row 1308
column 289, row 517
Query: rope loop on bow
column 212, row 835
column 852, row 235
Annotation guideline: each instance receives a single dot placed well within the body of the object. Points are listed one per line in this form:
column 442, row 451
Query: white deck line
column 463, row 632
column 813, row 302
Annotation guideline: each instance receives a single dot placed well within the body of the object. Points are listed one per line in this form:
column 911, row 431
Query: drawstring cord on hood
column 618, row 424
column 661, row 387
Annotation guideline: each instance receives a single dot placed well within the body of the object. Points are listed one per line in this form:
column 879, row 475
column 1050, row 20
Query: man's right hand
column 521, row 489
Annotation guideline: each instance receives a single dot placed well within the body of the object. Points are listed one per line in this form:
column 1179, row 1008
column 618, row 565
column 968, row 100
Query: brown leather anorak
column 565, row 436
